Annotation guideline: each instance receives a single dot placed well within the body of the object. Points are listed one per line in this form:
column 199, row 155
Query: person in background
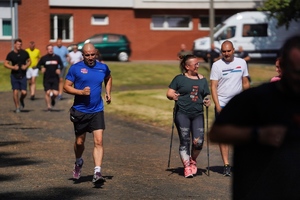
column 32, row 70
column 84, row 80
column 63, row 53
column 18, row 61
column 263, row 125
column 228, row 78
column 213, row 55
column 183, row 51
column 278, row 70
column 190, row 91
column 75, row 55
column 244, row 55
column 51, row 69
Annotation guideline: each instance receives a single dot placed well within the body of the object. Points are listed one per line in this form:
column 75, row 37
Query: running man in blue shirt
column 84, row 80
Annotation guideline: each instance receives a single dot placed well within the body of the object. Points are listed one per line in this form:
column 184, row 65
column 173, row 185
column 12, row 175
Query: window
column 161, row 22
column 99, row 20
column 255, row 30
column 204, row 21
column 61, row 26
column 6, row 27
column 229, row 32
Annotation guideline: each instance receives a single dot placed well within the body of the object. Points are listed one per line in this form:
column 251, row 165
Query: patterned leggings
column 187, row 127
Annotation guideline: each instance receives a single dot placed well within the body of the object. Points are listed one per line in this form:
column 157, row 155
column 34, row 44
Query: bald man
column 84, row 80
column 228, row 77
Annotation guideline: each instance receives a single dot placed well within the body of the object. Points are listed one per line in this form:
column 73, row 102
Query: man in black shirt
column 18, row 61
column 213, row 55
column 51, row 69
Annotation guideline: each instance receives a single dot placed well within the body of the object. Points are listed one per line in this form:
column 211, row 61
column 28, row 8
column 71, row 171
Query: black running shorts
column 86, row 122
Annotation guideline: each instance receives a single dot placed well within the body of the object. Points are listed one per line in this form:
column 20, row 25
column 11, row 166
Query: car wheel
column 123, row 56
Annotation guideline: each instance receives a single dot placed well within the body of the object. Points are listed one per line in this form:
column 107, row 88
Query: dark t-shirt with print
column 192, row 93
column 20, row 58
column 51, row 62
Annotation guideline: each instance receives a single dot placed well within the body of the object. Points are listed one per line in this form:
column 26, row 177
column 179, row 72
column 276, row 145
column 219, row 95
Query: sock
column 79, row 161
column 97, row 169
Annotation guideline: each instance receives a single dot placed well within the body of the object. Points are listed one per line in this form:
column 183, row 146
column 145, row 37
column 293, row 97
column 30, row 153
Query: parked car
column 110, row 46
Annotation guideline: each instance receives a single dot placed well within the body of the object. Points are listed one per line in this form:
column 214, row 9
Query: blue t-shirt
column 84, row 76
column 62, row 52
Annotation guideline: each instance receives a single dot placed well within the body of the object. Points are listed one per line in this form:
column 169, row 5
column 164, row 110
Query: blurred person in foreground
column 228, row 78
column 32, row 70
column 263, row 124
column 190, row 91
column 18, row 61
column 84, row 80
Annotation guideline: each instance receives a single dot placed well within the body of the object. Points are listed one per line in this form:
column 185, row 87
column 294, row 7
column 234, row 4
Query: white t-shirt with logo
column 229, row 76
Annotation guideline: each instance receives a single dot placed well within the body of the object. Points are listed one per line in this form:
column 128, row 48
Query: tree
column 283, row 10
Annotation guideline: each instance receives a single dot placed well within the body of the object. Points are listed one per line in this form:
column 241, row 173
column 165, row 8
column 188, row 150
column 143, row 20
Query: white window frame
column 104, row 22
column 55, row 26
column 166, row 25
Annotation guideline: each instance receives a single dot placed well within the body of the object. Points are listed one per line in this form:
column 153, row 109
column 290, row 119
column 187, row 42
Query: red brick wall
column 146, row 44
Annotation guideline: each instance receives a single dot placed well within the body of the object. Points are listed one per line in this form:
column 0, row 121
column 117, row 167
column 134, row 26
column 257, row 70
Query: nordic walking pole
column 207, row 140
column 173, row 122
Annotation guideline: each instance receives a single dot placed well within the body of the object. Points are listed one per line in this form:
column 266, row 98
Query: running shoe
column 227, row 170
column 77, row 170
column 17, row 110
column 32, row 97
column 188, row 172
column 193, row 165
column 98, row 178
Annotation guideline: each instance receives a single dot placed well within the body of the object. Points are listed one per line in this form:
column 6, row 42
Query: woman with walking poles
column 190, row 92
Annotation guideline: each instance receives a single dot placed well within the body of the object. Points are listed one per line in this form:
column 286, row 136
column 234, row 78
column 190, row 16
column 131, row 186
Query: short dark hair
column 18, row 40
column 183, row 60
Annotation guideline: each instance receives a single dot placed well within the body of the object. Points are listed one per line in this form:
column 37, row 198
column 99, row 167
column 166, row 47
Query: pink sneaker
column 188, row 172
column 193, row 165
column 77, row 170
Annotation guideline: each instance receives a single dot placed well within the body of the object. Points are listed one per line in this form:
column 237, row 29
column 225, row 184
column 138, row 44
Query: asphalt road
column 36, row 159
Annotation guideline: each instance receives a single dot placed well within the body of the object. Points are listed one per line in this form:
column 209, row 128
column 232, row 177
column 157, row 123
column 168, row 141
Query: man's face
column 227, row 52
column 59, row 43
column 89, row 56
column 18, row 46
column 31, row 46
column 50, row 50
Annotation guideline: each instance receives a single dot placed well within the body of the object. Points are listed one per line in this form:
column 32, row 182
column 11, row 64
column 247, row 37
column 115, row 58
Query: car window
column 113, row 38
column 96, row 39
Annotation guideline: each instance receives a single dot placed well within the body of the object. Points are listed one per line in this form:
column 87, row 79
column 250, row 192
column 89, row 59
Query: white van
column 253, row 30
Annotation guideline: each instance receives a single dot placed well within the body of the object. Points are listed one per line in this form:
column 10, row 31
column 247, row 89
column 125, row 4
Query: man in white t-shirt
column 75, row 55
column 228, row 77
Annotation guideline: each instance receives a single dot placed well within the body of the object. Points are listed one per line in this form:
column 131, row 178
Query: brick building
column 156, row 28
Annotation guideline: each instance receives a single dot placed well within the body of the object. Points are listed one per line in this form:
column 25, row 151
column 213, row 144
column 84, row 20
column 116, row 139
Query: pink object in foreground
column 275, row 78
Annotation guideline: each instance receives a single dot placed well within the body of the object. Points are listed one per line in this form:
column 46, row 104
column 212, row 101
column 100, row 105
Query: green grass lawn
column 139, row 88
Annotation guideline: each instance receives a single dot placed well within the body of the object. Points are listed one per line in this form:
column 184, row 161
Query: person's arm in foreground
column 214, row 88
column 245, row 82
column 231, row 134
column 68, row 88
column 108, row 85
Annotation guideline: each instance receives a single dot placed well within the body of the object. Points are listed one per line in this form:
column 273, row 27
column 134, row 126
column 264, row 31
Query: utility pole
column 211, row 23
